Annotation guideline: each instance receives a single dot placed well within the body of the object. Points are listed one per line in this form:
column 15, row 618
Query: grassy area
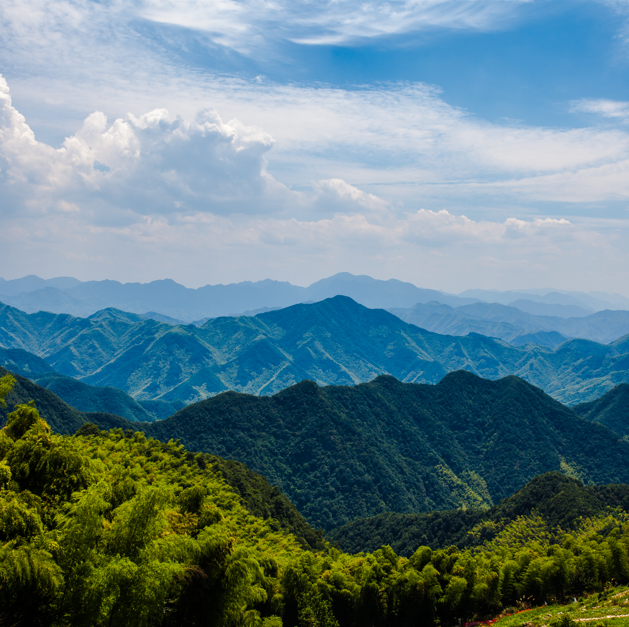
column 610, row 607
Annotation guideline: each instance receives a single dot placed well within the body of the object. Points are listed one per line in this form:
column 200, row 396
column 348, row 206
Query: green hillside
column 561, row 501
column 341, row 453
column 89, row 398
column 611, row 410
column 258, row 496
column 333, row 342
column 61, row 417
column 24, row 363
column 114, row 529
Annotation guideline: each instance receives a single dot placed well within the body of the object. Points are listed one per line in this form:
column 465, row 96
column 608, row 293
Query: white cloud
column 607, row 108
column 242, row 25
column 148, row 164
column 337, row 195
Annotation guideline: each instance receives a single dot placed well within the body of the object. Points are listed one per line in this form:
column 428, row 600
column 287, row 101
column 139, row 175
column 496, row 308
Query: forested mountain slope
column 113, row 529
column 259, row 496
column 560, row 500
column 611, row 410
column 336, row 341
column 341, row 453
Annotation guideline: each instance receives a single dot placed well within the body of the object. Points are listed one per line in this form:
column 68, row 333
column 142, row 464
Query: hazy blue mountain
column 177, row 303
column 550, row 309
column 345, row 452
column 86, row 398
column 54, row 300
column 487, row 319
column 549, row 297
column 497, row 312
column 24, row 363
column 598, row 298
column 611, row 410
column 169, row 298
column 375, row 293
column 512, row 324
column 335, row 341
column 31, row 283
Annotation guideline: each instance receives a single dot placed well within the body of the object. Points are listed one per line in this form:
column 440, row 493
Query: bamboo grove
column 110, row 528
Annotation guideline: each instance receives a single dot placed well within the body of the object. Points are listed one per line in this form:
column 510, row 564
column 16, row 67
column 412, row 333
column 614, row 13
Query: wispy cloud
column 607, row 108
column 240, row 24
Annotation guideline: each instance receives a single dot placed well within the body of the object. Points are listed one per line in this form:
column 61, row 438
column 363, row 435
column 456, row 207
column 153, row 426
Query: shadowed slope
column 340, row 453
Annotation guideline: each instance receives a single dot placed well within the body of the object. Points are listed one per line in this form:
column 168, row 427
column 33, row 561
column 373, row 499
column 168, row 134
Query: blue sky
column 451, row 143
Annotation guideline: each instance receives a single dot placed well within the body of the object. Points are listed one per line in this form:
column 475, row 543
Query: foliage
column 341, row 453
column 611, row 410
column 114, row 528
column 258, row 496
column 558, row 501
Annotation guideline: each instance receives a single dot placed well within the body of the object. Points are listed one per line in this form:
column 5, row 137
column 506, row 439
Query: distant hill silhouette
column 514, row 325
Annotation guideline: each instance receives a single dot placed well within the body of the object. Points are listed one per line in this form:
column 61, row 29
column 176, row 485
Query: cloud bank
column 154, row 195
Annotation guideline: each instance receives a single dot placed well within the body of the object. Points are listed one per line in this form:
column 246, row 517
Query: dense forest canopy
column 347, row 452
column 114, row 528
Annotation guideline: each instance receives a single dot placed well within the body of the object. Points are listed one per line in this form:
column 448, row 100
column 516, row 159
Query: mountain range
column 514, row 325
column 543, row 317
column 335, row 341
column 84, row 397
column 345, row 452
column 340, row 453
column 173, row 301
column 170, row 299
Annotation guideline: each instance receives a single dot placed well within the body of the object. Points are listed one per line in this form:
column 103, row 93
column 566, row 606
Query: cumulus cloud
column 149, row 164
column 153, row 195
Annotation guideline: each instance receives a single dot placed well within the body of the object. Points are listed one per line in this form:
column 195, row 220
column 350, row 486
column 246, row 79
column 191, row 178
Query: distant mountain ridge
column 514, row 325
column 335, row 341
column 171, row 300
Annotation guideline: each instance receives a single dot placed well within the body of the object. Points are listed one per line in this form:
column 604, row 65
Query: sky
column 454, row 144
